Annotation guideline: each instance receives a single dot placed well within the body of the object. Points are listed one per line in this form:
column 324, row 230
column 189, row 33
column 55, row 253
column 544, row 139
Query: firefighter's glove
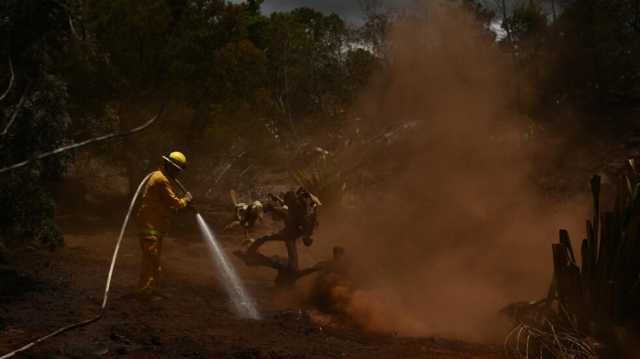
column 189, row 199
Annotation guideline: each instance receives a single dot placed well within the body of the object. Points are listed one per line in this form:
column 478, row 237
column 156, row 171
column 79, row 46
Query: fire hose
column 105, row 297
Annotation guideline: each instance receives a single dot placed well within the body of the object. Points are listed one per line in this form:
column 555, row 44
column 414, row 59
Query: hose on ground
column 105, row 298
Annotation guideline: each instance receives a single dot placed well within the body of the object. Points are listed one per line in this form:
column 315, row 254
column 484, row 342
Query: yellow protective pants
column 151, row 247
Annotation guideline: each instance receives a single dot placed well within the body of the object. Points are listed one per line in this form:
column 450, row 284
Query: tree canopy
column 236, row 80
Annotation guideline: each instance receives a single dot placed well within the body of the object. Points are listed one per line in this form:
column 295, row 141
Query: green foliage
column 306, row 60
column 480, row 10
column 134, row 32
column 526, row 23
column 236, row 79
column 605, row 36
column 361, row 65
column 374, row 33
column 239, row 79
column 284, row 67
column 37, row 104
column 588, row 59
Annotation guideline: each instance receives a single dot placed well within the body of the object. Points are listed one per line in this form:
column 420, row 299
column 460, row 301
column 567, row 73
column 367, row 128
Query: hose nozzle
column 185, row 191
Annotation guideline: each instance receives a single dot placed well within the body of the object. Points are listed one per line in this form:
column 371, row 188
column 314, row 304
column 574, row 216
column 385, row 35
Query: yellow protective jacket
column 159, row 201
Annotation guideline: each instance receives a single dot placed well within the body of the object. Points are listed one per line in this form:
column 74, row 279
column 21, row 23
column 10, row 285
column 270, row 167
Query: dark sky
column 348, row 9
column 351, row 9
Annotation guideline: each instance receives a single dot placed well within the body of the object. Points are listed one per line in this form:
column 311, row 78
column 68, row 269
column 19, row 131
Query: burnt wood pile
column 602, row 288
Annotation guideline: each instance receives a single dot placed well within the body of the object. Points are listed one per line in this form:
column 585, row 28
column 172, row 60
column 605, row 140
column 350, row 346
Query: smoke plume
column 458, row 229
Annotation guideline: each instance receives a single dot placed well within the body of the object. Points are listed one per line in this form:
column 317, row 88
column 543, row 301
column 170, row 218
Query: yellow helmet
column 178, row 159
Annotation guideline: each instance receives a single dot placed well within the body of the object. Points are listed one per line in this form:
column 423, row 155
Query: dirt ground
column 194, row 321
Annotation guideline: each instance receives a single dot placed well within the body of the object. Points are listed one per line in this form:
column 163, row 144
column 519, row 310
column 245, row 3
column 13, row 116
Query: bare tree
column 501, row 6
column 504, row 9
column 371, row 7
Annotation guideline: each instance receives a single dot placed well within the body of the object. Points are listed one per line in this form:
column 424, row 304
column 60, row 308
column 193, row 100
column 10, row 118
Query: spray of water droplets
column 243, row 304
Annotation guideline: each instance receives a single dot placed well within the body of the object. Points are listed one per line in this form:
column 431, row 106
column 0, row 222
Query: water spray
column 243, row 305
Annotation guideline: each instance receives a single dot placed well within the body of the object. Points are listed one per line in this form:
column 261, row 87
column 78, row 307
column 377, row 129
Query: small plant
column 322, row 177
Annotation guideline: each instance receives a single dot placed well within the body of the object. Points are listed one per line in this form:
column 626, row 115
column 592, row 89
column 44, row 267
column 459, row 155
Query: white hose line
column 120, row 237
column 103, row 307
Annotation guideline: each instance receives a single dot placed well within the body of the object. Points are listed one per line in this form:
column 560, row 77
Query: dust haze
column 458, row 230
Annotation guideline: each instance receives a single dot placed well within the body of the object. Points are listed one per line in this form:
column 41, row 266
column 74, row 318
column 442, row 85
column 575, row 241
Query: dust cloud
column 458, row 230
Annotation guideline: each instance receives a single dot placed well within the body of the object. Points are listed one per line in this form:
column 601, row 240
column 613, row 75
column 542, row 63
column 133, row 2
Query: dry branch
column 557, row 340
column 85, row 143
column 11, row 80
column 73, row 29
column 15, row 113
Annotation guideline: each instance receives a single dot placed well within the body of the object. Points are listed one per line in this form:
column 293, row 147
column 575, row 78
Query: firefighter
column 159, row 202
column 299, row 211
